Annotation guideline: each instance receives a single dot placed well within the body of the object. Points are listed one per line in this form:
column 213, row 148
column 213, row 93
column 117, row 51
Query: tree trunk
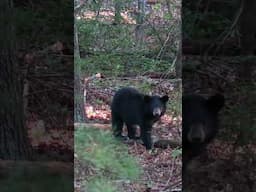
column 14, row 143
column 76, row 42
column 178, row 63
column 79, row 97
column 139, row 32
column 79, row 116
column 118, row 17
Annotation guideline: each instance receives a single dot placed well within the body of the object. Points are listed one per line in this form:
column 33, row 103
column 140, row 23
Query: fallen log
column 164, row 144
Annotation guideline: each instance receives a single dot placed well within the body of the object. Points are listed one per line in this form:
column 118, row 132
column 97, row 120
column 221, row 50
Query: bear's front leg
column 146, row 136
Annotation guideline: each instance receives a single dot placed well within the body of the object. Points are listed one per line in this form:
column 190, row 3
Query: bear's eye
column 147, row 98
column 165, row 98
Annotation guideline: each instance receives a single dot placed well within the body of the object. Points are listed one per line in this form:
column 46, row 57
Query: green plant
column 108, row 156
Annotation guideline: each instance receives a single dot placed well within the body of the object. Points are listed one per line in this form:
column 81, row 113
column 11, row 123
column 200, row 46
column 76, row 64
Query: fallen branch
column 164, row 143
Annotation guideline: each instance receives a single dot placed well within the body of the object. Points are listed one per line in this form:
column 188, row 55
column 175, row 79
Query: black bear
column 199, row 123
column 136, row 109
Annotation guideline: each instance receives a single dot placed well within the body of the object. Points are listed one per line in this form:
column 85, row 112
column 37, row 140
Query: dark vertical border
column 36, row 97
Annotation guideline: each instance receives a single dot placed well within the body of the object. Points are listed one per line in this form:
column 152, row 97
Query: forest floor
column 161, row 171
column 227, row 166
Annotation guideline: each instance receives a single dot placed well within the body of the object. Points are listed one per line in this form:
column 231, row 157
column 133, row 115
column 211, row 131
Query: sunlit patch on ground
column 101, row 113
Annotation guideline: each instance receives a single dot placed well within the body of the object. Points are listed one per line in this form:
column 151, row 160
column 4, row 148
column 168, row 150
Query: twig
column 165, row 42
column 224, row 35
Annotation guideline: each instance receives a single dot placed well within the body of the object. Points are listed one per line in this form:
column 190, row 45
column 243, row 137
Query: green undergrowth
column 113, row 50
column 108, row 157
column 114, row 64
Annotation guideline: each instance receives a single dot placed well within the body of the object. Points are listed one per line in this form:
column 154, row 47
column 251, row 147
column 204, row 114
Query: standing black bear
column 199, row 123
column 133, row 108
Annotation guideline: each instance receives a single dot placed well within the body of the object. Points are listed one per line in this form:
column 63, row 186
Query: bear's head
column 155, row 106
column 200, row 117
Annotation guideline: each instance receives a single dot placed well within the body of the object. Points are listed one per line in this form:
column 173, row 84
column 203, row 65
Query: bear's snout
column 157, row 112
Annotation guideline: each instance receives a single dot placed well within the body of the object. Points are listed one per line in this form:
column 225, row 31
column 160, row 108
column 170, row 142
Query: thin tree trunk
column 79, row 116
column 76, row 42
column 79, row 98
column 118, row 16
column 139, row 32
column 79, row 91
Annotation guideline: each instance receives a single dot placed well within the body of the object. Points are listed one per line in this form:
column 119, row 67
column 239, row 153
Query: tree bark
column 118, row 17
column 139, row 31
column 76, row 42
column 14, row 142
column 79, row 91
column 79, row 98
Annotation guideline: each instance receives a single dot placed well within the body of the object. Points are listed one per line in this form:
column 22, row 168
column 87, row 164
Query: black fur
column 133, row 108
column 199, row 123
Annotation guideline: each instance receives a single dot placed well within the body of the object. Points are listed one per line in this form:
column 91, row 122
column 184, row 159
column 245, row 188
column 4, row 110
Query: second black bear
column 199, row 123
column 133, row 108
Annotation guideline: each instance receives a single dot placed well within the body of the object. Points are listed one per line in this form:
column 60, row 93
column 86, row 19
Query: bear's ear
column 147, row 98
column 164, row 98
column 216, row 102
